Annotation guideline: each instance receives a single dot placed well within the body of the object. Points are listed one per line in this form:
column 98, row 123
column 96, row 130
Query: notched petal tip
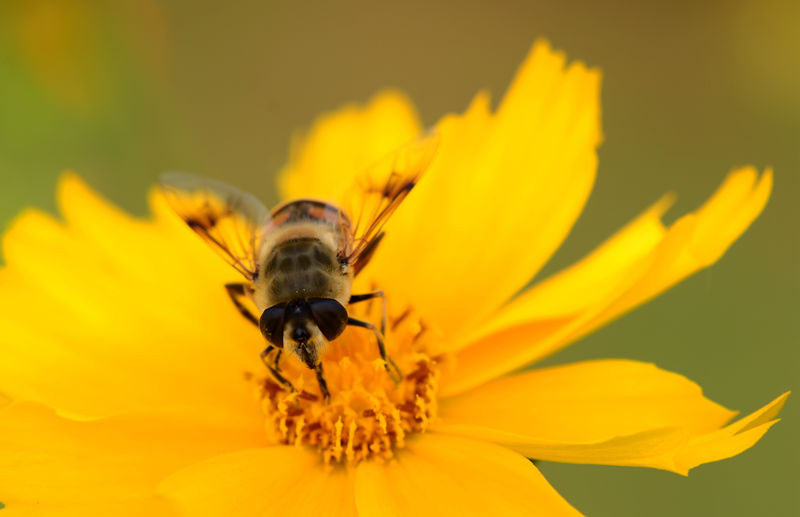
column 542, row 49
column 159, row 206
column 764, row 415
column 341, row 143
column 730, row 440
column 71, row 187
column 729, row 212
column 84, row 208
column 545, row 72
column 35, row 225
column 641, row 417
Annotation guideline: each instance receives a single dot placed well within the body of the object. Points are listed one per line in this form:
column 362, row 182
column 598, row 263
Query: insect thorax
column 302, row 268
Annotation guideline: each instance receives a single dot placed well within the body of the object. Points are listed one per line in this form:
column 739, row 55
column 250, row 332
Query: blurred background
column 123, row 90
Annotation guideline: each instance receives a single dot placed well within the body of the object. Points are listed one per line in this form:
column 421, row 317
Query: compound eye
column 330, row 316
column 271, row 324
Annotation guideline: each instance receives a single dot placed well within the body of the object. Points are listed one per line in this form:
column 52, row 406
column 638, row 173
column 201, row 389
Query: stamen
column 367, row 414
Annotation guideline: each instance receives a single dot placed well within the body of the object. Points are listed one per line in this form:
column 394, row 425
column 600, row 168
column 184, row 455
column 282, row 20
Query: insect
column 299, row 260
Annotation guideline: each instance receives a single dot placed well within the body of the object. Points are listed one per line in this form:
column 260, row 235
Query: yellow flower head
column 132, row 385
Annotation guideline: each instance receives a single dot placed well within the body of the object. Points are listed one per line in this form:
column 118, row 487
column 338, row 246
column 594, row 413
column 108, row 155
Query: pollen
column 368, row 415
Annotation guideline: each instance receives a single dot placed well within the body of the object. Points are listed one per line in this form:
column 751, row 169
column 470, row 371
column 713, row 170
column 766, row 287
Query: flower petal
column 150, row 506
column 590, row 281
column 106, row 313
column 611, row 412
column 276, row 480
column 50, row 463
column 324, row 163
column 443, row 475
column 638, row 263
column 501, row 195
column 590, row 401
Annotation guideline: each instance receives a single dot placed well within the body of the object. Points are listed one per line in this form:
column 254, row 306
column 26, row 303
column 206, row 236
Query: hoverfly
column 299, row 260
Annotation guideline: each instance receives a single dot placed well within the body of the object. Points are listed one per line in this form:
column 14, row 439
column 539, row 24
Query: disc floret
column 368, row 414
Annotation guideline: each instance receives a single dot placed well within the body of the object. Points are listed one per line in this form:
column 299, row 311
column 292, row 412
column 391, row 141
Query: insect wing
column 379, row 191
column 229, row 220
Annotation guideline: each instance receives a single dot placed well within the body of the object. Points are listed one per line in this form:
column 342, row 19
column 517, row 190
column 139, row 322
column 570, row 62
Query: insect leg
column 273, row 367
column 394, row 372
column 236, row 292
column 369, row 296
column 323, row 385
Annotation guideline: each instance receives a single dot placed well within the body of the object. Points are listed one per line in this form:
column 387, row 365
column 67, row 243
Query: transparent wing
column 379, row 191
column 229, row 220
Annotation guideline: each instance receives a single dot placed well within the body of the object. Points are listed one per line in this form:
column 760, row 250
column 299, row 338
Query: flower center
column 367, row 414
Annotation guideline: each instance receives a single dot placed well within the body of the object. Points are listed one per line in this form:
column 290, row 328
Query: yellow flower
column 132, row 386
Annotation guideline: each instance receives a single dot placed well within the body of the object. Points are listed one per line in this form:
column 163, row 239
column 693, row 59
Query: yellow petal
column 731, row 440
column 136, row 310
column 517, row 179
column 706, row 235
column 501, row 195
column 324, row 163
column 590, row 281
column 55, row 464
column 589, row 401
column 443, row 475
column 272, row 481
column 152, row 506
column 611, row 412
column 637, row 264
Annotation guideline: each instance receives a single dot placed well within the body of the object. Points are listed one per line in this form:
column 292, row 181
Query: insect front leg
column 273, row 367
column 369, row 296
column 323, row 385
column 394, row 372
column 237, row 293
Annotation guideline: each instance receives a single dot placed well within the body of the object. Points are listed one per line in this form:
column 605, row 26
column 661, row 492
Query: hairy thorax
column 301, row 265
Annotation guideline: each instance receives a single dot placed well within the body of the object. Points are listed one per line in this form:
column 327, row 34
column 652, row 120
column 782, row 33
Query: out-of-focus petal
column 272, row 481
column 151, row 506
column 53, row 464
column 327, row 161
column 445, row 475
column 135, row 310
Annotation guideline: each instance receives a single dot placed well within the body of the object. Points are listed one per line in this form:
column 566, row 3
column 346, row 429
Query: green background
column 123, row 90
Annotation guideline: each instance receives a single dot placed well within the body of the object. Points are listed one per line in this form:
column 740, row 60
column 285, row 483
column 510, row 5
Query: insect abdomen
column 301, row 268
